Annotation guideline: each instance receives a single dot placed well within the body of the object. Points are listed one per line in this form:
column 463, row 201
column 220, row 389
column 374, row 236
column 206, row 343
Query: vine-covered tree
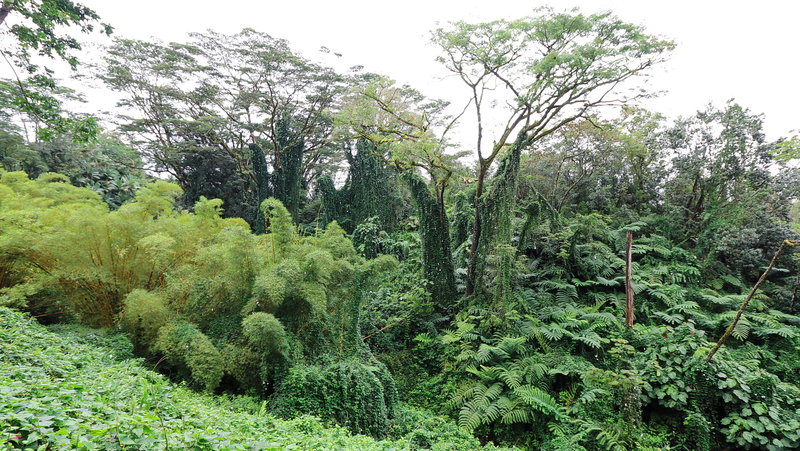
column 219, row 94
column 553, row 69
column 404, row 122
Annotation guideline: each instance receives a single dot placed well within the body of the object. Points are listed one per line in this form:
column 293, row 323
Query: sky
column 725, row 49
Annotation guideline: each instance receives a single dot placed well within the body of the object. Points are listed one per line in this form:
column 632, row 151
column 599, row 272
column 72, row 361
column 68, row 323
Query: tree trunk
column 258, row 162
column 628, row 284
column 493, row 213
column 476, row 233
column 761, row 280
column 437, row 259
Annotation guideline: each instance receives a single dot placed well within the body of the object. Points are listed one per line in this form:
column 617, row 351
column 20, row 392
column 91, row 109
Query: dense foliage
column 73, row 387
column 292, row 241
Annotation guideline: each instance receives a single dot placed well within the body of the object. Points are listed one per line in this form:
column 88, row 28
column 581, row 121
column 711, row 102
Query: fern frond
column 673, row 319
column 785, row 332
column 539, row 400
column 742, row 330
column 590, row 339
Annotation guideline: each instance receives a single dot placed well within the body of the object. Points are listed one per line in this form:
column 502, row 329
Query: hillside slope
column 79, row 388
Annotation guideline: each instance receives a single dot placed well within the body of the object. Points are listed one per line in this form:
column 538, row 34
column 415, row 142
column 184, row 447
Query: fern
column 785, row 332
column 590, row 339
column 742, row 330
column 539, row 400
column 670, row 318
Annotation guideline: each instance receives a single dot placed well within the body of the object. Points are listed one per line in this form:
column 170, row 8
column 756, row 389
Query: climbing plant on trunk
column 402, row 121
column 553, row 67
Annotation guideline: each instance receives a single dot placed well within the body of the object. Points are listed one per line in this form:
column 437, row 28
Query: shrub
column 351, row 393
column 265, row 333
column 184, row 345
column 144, row 313
column 63, row 391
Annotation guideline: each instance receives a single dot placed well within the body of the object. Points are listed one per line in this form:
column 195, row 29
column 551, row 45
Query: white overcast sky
column 726, row 49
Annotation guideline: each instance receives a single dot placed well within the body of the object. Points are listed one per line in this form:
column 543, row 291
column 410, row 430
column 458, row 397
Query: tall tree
column 405, row 123
column 36, row 27
column 605, row 165
column 554, row 68
column 727, row 193
column 222, row 93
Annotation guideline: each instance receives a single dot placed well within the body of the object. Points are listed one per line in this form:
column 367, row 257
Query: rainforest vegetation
column 259, row 251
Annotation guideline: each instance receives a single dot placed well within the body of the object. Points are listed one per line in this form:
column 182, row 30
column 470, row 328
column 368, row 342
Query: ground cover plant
column 76, row 387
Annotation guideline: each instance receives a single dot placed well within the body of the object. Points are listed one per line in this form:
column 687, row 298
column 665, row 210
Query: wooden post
column 628, row 285
column 738, row 316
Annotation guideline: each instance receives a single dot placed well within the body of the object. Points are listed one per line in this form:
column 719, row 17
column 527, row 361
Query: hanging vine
column 496, row 209
column 435, row 233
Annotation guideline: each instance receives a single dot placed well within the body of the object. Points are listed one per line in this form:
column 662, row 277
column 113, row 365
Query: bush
column 351, row 393
column 424, row 430
column 184, row 345
column 64, row 391
column 143, row 314
column 265, row 333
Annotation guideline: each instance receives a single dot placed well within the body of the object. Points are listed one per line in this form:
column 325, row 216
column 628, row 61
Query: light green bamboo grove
column 217, row 303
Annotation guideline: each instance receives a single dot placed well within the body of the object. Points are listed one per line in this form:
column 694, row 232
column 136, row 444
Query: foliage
column 788, row 149
column 423, row 431
column 296, row 248
column 371, row 190
column 106, row 166
column 596, row 165
column 36, row 28
column 195, row 288
column 362, row 397
column 183, row 344
column 730, row 205
column 264, row 332
column 754, row 408
column 71, row 389
column 143, row 315
column 437, row 259
column 553, row 69
column 554, row 361
column 189, row 124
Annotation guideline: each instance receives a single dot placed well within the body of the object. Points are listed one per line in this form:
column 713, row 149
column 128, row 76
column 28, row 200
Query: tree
column 722, row 153
column 554, row 68
column 371, row 189
column 788, row 149
column 37, row 31
column 220, row 94
column 595, row 164
column 725, row 192
column 403, row 122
